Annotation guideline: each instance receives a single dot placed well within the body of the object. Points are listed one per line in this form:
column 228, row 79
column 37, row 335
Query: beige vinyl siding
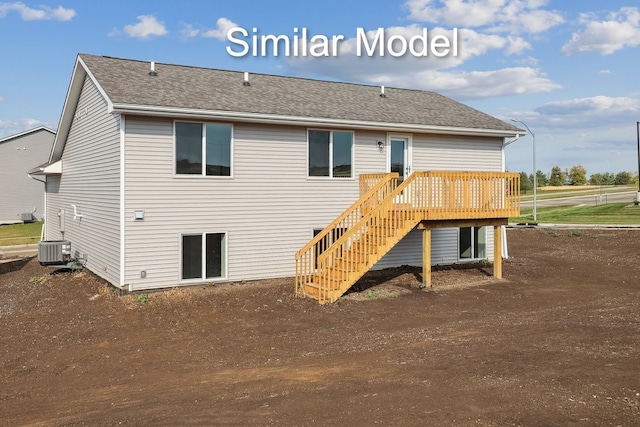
column 445, row 152
column 20, row 193
column 369, row 158
column 91, row 181
column 268, row 209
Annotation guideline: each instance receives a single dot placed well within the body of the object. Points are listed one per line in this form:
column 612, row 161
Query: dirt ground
column 555, row 343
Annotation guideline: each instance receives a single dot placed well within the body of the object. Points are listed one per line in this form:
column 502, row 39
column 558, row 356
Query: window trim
column 203, row 242
column 409, row 150
column 353, row 149
column 475, row 257
column 203, row 147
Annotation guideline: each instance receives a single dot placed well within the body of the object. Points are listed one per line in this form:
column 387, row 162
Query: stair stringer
column 352, row 276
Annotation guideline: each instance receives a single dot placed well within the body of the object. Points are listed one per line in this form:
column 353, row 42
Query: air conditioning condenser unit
column 54, row 252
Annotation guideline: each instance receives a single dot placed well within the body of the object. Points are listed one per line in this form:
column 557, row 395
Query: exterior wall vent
column 54, row 252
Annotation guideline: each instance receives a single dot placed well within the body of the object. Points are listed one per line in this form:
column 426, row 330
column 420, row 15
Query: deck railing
column 337, row 260
column 369, row 180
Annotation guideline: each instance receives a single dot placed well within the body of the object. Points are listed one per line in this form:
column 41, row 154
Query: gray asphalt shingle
column 176, row 86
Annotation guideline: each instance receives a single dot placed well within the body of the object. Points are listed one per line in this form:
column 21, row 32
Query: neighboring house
column 164, row 175
column 22, row 198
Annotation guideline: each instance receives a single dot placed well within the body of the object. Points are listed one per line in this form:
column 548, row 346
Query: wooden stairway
column 386, row 212
column 381, row 234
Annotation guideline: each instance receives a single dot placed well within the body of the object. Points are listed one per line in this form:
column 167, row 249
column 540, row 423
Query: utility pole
column 535, row 172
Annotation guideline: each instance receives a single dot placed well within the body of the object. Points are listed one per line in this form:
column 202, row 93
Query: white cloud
column 597, row 112
column 223, row 25
column 516, row 45
column 513, row 16
column 605, row 72
column 1, row 99
column 486, row 84
column 43, row 13
column 432, row 73
column 188, row 31
column 620, row 30
column 146, row 27
column 220, row 32
column 600, row 105
column 11, row 127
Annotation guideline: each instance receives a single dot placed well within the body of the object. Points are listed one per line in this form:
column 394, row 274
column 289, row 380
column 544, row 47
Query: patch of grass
column 575, row 233
column 143, row 298
column 552, row 231
column 372, row 294
column 612, row 213
column 36, row 280
column 600, row 235
column 20, row 234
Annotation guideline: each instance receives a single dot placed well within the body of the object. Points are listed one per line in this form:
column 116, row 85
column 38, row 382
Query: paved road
column 591, row 200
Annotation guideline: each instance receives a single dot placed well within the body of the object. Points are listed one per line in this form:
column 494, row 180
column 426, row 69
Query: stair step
column 320, row 282
column 343, row 264
column 366, row 245
column 383, row 231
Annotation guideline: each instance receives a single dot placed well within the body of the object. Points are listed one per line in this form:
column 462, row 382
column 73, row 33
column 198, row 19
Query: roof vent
column 246, row 79
column 153, row 72
column 382, row 95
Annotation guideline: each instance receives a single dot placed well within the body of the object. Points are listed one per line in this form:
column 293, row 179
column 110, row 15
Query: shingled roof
column 186, row 91
column 127, row 82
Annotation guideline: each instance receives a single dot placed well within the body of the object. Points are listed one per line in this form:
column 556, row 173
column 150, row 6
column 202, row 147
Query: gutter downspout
column 505, row 246
column 44, row 214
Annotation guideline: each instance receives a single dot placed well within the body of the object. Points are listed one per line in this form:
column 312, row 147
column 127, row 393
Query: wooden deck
column 387, row 211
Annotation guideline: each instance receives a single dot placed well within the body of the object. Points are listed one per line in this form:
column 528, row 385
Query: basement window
column 330, row 153
column 203, row 149
column 473, row 243
column 204, row 256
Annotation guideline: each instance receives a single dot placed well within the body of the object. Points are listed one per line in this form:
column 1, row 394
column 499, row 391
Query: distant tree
column 623, row 178
column 542, row 179
column 525, row 183
column 578, row 175
column 556, row 177
column 606, row 178
column 609, row 178
column 596, row 179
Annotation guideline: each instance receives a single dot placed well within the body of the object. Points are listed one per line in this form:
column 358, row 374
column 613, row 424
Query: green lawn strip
column 612, row 213
column 20, row 234
column 575, row 191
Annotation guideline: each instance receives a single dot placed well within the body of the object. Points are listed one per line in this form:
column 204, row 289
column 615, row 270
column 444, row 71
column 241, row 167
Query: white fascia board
column 95, row 82
column 25, row 133
column 47, row 169
column 53, row 168
column 80, row 71
column 147, row 110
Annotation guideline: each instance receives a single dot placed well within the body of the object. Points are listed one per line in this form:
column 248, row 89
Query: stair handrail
column 361, row 201
column 367, row 218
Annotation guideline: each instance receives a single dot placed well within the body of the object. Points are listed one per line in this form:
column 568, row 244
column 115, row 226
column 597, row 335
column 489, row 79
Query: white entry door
column 399, row 155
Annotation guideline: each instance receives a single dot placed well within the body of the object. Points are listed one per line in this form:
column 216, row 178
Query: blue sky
column 568, row 69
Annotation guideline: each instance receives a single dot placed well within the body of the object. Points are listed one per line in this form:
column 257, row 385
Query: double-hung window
column 330, row 153
column 204, row 256
column 203, row 149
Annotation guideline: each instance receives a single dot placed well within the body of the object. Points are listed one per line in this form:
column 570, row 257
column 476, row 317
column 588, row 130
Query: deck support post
column 426, row 257
column 497, row 252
